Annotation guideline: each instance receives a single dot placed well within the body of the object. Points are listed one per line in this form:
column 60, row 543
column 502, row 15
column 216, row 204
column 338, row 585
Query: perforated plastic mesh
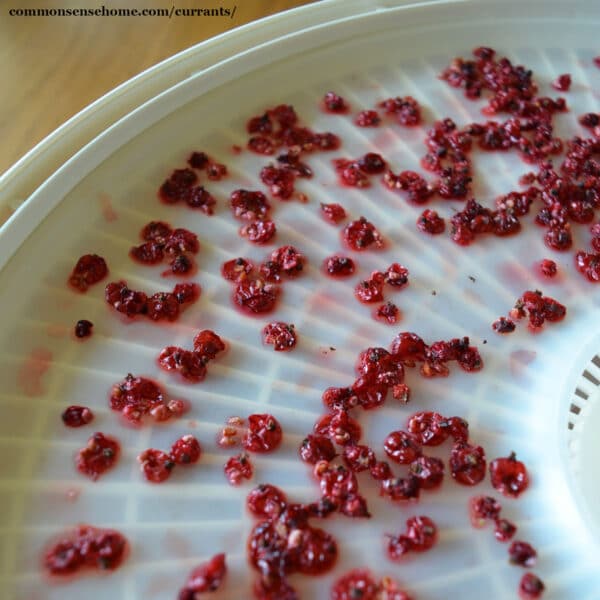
column 511, row 405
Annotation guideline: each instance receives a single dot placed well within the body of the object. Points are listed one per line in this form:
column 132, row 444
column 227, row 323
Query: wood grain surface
column 52, row 67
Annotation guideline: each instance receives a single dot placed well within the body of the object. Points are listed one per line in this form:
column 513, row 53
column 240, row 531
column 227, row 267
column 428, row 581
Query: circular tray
column 521, row 401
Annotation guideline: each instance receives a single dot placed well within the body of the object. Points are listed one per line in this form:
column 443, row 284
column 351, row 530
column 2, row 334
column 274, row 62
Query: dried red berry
column 77, row 416
column 186, row 293
column 351, row 174
column 207, row 577
column 237, row 269
column 83, row 328
column 589, row 265
column 402, row 447
column 282, row 336
column 124, row 300
column 483, row 509
column 428, row 470
column 148, row 253
column 340, row 427
column 504, row 530
column 522, row 554
column 270, row 271
column 590, row 120
column 422, row 533
column 208, row 344
column 289, row 259
column 430, row 222
column 396, row 275
column 315, row 448
column 136, row 397
column 313, row 551
column 370, row 290
column 429, row 428
column 562, row 83
column 358, row 457
column 216, row 171
column 198, row 160
column 399, row 546
column 238, row 468
column 264, row 433
column 509, row 476
column 177, row 186
column 334, row 213
column 401, row 489
column 367, row 118
column 90, row 269
column 335, row 104
column 415, row 186
column 190, row 365
column 380, row 471
column 406, row 110
column 248, row 205
column 86, row 546
column 337, row 483
column 186, row 450
column 387, row 313
column 458, row 428
column 261, row 145
column 266, row 501
column 162, row 306
column 531, row 587
column 409, row 348
column 156, row 465
column 467, row 463
column 280, row 181
column 259, row 232
column 255, row 296
column 372, row 163
column 181, row 264
column 98, row 456
column 356, row 584
column 503, row 325
column 182, row 240
column 361, row 234
column 559, row 238
column 339, row 266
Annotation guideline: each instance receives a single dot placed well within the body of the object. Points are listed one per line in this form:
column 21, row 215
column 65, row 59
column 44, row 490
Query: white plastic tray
column 365, row 56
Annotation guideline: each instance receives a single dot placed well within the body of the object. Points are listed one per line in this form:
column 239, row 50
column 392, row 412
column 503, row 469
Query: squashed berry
column 282, row 336
column 509, row 476
column 207, row 577
column 98, row 456
column 238, row 468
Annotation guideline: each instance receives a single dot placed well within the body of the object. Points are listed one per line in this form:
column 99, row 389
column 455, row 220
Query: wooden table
column 52, row 67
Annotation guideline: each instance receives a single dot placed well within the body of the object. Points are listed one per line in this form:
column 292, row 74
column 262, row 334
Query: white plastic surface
column 515, row 403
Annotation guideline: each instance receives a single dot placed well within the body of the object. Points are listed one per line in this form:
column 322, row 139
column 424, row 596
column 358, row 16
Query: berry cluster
column 157, row 465
column 162, row 306
column 191, row 364
column 161, row 241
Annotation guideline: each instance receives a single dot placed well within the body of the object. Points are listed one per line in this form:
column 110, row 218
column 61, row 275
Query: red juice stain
column 57, row 331
column 72, row 495
column 514, row 273
column 106, row 207
column 31, row 373
column 519, row 360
